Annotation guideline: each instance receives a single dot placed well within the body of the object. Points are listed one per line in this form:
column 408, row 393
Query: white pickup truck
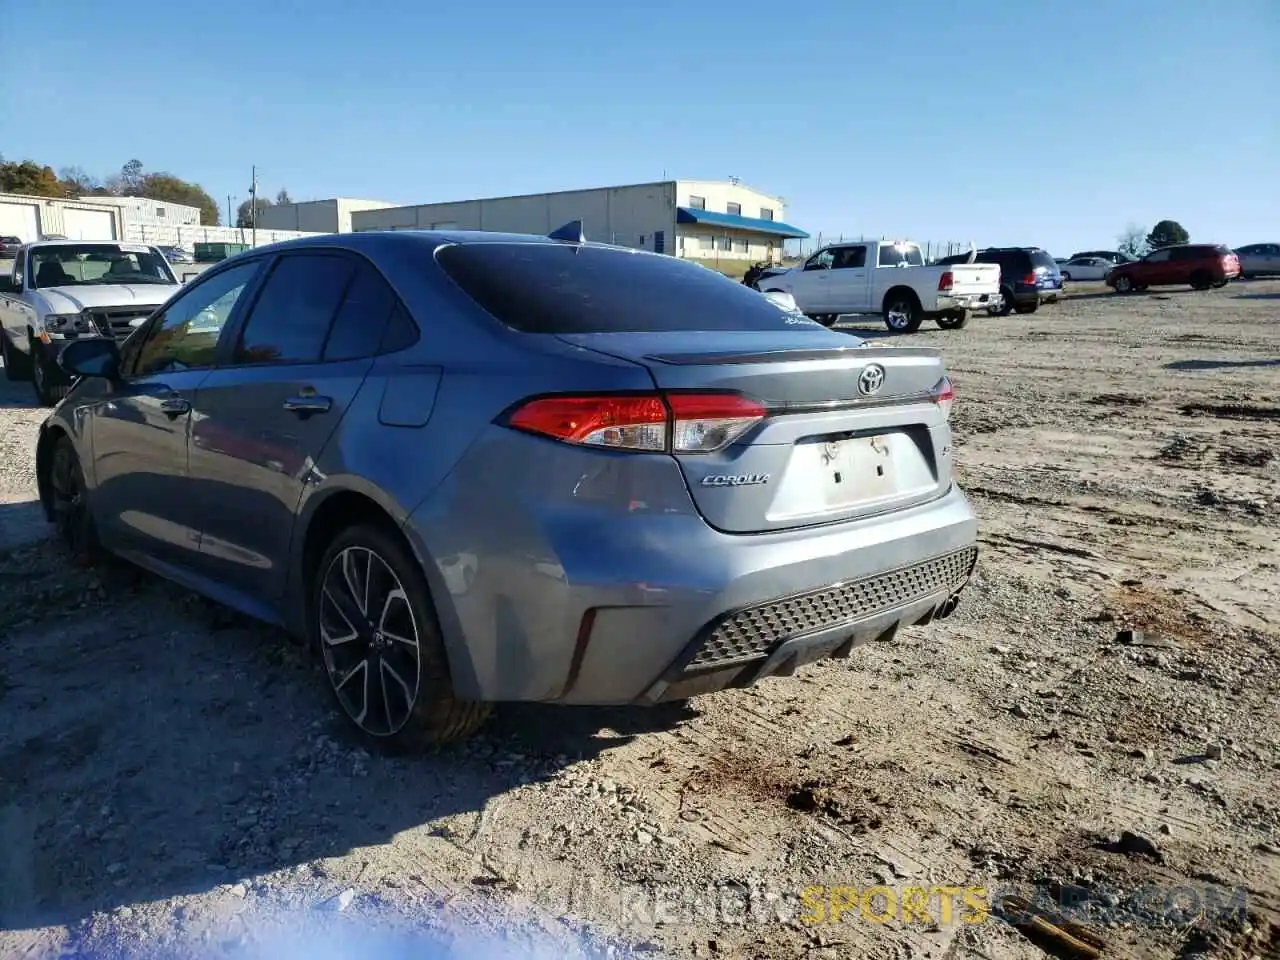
column 888, row 278
column 60, row 290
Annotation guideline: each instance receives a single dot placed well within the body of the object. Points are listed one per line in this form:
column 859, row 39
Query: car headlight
column 68, row 326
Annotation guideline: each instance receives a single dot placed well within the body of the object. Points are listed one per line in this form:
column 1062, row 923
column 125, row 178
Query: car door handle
column 308, row 404
column 175, row 407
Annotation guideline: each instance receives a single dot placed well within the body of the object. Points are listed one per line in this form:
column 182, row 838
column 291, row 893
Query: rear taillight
column 1030, row 279
column 946, row 281
column 652, row 422
column 944, row 395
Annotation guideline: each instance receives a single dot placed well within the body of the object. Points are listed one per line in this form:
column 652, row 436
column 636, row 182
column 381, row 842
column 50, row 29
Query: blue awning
column 711, row 218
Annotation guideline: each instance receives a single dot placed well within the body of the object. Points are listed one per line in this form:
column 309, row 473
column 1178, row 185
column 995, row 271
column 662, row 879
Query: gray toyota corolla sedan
column 477, row 467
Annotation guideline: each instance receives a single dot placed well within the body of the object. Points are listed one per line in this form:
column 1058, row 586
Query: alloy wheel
column 1124, row 284
column 898, row 315
column 370, row 641
column 66, row 486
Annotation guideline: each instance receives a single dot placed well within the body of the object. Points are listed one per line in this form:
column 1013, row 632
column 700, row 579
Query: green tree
column 244, row 213
column 1167, row 233
column 1133, row 241
column 30, row 178
column 167, row 187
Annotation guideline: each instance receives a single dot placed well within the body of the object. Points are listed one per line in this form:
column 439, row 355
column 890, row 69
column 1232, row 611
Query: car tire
column 47, row 393
column 1124, row 285
column 1201, row 281
column 902, row 313
column 69, row 505
column 1065, row 275
column 17, row 365
column 1025, row 308
column 1006, row 304
column 953, row 320
column 395, row 633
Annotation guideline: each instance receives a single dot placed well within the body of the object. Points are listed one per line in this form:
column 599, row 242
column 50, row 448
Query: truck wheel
column 17, row 366
column 49, row 389
column 953, row 320
column 902, row 312
column 1006, row 304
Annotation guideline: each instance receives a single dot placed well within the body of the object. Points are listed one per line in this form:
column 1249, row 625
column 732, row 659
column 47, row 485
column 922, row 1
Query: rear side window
column 554, row 288
column 362, row 318
column 891, row 256
column 1039, row 258
column 290, row 320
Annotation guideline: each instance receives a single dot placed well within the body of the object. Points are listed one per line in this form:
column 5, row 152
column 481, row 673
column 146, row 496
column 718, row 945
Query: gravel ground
column 1096, row 725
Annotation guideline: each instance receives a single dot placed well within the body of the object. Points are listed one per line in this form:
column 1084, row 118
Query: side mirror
column 91, row 358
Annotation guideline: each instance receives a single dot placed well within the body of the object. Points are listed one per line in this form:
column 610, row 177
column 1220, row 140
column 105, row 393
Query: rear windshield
column 1040, row 258
column 553, row 288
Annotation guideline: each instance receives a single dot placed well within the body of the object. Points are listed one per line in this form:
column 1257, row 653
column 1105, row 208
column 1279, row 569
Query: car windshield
column 82, row 264
column 553, row 288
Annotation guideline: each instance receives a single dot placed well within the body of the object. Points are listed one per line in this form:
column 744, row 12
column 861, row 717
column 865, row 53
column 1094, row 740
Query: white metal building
column 132, row 219
column 159, row 213
column 700, row 219
column 317, row 216
column 31, row 218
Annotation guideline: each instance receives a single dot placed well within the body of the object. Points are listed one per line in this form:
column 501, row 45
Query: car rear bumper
column 602, row 612
column 967, row 301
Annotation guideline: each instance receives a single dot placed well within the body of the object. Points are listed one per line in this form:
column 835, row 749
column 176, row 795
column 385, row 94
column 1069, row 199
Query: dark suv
column 1198, row 265
column 1028, row 277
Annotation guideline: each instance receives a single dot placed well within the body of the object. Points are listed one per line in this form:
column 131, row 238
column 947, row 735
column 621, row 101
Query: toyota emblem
column 871, row 379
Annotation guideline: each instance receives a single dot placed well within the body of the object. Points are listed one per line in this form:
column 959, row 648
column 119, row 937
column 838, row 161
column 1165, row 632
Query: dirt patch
column 173, row 781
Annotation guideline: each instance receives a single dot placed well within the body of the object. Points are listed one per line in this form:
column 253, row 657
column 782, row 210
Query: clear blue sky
column 1000, row 121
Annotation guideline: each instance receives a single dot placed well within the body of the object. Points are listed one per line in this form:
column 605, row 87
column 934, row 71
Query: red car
column 1197, row 265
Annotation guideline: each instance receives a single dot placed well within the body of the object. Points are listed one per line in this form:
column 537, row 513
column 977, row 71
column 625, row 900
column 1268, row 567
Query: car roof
column 370, row 241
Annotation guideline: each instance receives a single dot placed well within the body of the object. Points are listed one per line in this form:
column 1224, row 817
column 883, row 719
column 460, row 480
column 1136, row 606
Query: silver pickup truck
column 60, row 290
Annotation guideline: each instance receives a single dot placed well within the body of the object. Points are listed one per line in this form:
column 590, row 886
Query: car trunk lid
column 851, row 430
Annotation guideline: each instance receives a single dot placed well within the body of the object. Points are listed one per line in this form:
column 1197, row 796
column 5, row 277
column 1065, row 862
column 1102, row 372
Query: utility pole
column 230, row 221
column 253, row 204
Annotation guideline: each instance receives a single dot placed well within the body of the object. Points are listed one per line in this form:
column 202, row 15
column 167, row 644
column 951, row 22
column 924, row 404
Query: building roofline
column 744, row 186
column 526, row 196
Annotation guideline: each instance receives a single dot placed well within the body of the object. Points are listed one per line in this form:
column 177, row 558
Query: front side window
column 290, row 320
column 80, row 264
column 821, row 260
column 186, row 336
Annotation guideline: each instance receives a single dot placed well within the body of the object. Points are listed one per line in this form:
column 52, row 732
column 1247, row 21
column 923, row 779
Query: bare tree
column 1133, row 242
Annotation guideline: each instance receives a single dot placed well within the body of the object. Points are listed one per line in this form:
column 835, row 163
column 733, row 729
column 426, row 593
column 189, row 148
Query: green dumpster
column 213, row 252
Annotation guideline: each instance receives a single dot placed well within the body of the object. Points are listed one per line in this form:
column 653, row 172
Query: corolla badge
column 871, row 379
column 734, row 480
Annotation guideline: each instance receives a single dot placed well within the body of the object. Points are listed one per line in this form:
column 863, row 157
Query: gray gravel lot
column 1099, row 717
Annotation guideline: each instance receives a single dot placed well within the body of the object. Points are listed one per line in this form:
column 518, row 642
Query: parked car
column 663, row 484
column 63, row 290
column 1259, row 260
column 1086, row 268
column 1028, row 277
column 9, row 247
column 176, row 255
column 888, row 278
column 1198, row 265
column 1112, row 256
